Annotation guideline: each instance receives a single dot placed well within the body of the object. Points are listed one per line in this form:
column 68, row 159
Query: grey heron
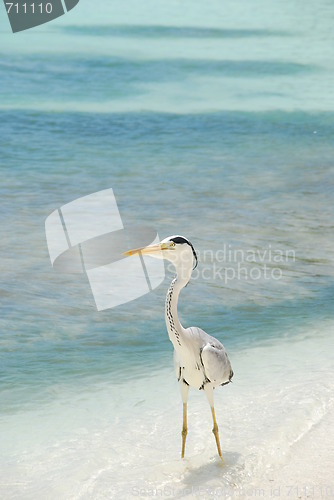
column 201, row 361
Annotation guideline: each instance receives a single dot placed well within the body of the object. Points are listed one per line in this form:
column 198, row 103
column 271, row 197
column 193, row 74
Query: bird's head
column 177, row 249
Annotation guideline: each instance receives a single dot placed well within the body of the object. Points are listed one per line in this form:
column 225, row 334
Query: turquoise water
column 215, row 122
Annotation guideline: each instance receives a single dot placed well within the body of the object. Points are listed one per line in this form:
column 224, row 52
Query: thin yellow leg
column 184, row 429
column 215, row 432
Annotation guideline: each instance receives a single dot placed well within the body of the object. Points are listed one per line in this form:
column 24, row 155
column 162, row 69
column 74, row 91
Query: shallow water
column 217, row 125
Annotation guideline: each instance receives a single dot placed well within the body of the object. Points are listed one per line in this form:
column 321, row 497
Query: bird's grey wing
column 216, row 364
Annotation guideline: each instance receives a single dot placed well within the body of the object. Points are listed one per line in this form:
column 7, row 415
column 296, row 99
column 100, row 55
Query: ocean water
column 212, row 120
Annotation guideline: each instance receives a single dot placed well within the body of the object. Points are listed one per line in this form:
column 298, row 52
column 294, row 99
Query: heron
column 200, row 360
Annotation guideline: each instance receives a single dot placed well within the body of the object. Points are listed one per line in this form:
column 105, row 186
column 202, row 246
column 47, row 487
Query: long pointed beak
column 150, row 249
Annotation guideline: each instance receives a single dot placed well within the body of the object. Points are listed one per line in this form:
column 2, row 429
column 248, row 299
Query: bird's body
column 205, row 362
column 200, row 359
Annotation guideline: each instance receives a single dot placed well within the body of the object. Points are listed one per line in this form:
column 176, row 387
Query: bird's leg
column 184, row 394
column 215, row 431
column 184, row 429
column 209, row 394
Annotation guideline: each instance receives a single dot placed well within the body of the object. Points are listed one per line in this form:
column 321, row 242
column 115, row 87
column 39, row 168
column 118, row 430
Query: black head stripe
column 181, row 239
column 195, row 256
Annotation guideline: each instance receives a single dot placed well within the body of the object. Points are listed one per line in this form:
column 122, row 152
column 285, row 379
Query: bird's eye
column 172, row 244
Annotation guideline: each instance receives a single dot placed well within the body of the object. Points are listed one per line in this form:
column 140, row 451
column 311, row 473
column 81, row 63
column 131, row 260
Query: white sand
column 123, row 440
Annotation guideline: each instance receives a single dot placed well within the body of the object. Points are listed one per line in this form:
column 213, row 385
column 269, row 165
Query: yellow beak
column 150, row 249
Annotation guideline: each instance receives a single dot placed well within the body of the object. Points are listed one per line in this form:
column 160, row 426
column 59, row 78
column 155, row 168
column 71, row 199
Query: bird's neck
column 174, row 327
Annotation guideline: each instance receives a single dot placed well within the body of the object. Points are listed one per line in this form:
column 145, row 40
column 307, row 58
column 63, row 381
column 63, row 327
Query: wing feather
column 216, row 364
